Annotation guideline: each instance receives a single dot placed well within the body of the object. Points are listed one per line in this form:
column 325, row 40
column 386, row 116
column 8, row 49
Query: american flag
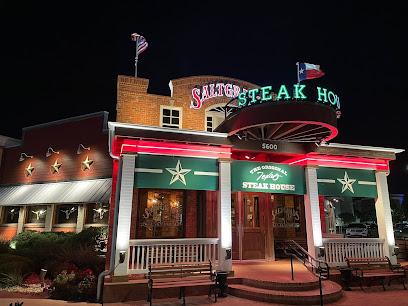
column 141, row 42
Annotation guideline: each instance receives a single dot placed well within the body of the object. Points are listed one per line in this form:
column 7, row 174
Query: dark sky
column 60, row 60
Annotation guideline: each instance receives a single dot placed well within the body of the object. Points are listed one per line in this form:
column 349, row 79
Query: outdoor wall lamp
column 24, row 156
column 81, row 148
column 122, row 255
column 396, row 251
column 50, row 151
column 321, row 251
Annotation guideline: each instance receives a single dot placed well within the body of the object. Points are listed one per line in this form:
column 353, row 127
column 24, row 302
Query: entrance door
column 251, row 233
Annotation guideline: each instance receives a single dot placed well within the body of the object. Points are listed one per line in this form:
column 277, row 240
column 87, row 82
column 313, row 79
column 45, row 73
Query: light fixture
column 23, row 156
column 50, row 151
column 81, row 148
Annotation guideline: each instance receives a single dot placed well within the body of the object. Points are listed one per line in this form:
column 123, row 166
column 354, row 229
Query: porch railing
column 143, row 252
column 337, row 249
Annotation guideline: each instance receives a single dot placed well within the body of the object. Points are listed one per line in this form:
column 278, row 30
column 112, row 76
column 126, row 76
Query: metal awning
column 86, row 191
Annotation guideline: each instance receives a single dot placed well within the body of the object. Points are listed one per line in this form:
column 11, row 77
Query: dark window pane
column 175, row 120
column 166, row 119
column 11, row 214
column 67, row 214
column 209, row 129
column 175, row 113
column 166, row 112
column 97, row 213
column 36, row 214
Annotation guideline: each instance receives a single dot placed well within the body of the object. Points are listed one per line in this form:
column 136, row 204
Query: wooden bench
column 181, row 276
column 376, row 268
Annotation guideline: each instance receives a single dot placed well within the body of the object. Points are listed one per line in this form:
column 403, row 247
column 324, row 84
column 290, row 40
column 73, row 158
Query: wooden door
column 250, row 231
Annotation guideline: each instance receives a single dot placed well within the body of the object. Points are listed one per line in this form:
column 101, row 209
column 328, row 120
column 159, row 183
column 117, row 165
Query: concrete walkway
column 394, row 296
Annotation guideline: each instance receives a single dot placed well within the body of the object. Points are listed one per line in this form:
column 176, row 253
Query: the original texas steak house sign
column 267, row 177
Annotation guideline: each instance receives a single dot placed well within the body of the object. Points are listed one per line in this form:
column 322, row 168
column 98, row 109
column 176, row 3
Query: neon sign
column 213, row 90
column 297, row 92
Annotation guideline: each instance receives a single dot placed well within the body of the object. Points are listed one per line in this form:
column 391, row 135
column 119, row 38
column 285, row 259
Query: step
column 282, row 286
column 331, row 293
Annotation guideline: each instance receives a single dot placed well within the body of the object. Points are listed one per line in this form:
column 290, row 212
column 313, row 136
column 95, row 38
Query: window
column 161, row 214
column 11, row 214
column 36, row 214
column 67, row 214
column 251, row 211
column 214, row 115
column 170, row 116
column 97, row 213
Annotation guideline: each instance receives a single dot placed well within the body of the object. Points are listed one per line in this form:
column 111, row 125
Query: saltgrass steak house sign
column 297, row 92
column 267, row 177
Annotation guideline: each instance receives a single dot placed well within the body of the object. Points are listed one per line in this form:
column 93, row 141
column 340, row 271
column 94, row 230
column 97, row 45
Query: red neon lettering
column 236, row 91
column 228, row 90
column 212, row 95
column 196, row 96
column 219, row 87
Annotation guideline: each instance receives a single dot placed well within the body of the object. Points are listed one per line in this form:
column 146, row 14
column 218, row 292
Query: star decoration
column 347, row 183
column 29, row 170
column 178, row 173
column 55, row 167
column 301, row 71
column 86, row 164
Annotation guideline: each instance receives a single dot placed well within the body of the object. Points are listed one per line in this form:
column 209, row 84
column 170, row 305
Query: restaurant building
column 223, row 169
column 58, row 178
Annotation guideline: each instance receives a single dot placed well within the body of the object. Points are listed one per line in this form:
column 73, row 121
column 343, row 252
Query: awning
column 86, row 191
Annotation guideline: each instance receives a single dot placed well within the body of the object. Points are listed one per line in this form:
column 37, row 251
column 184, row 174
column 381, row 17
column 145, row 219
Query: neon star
column 87, row 163
column 55, row 167
column 178, row 173
column 347, row 183
column 29, row 170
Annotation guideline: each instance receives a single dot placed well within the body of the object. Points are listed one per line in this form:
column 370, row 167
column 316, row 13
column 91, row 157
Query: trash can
column 346, row 277
column 221, row 282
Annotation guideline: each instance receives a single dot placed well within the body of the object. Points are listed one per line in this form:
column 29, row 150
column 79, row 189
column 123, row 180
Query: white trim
column 358, row 147
column 367, row 183
column 205, row 173
column 330, row 181
column 170, row 108
column 147, row 170
column 163, row 129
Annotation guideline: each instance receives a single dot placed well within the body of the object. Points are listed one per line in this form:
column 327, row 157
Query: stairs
column 292, row 293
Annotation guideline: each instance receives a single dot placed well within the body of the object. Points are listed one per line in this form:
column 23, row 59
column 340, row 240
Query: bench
column 161, row 276
column 376, row 268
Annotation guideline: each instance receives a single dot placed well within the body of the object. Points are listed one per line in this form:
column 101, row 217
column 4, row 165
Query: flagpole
column 297, row 64
column 137, row 55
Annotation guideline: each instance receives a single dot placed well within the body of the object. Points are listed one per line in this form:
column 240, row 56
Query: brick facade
column 136, row 105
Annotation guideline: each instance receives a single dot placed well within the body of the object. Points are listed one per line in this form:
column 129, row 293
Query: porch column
column 21, row 219
column 80, row 218
column 312, row 212
column 123, row 213
column 384, row 219
column 49, row 218
column 224, row 216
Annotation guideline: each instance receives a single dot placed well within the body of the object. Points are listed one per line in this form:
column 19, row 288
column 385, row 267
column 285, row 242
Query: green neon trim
column 283, row 91
column 298, row 94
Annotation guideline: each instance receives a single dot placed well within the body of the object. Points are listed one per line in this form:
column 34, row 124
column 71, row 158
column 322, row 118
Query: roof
column 8, row 142
column 86, row 191
column 365, row 148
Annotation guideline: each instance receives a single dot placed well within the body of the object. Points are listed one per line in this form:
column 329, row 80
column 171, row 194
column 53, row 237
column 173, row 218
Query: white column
column 224, row 216
column 80, row 218
column 312, row 212
column 49, row 218
column 124, row 213
column 21, row 219
column 384, row 219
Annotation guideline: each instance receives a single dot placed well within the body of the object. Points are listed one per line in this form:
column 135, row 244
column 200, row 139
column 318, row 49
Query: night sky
column 62, row 61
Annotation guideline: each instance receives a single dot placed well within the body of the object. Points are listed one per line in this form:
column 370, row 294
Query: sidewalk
column 394, row 296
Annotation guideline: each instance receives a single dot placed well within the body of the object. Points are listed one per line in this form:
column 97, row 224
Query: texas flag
column 308, row 71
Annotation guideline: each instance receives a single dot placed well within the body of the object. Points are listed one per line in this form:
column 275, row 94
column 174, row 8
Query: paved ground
column 394, row 296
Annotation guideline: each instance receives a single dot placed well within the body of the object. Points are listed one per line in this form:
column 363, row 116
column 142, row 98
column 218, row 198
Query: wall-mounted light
column 81, row 148
column 24, row 156
column 50, row 151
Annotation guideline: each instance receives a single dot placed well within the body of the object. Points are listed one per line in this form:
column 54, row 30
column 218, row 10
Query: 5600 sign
column 269, row 146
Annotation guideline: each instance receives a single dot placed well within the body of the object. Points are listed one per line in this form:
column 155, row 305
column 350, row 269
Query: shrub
column 5, row 247
column 82, row 257
column 11, row 279
column 74, row 285
column 10, row 263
